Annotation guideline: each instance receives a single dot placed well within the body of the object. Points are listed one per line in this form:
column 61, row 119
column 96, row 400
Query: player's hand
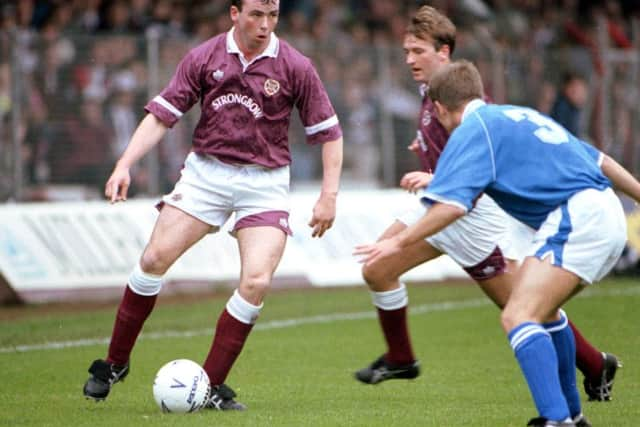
column 414, row 181
column 414, row 146
column 118, row 185
column 324, row 212
column 376, row 251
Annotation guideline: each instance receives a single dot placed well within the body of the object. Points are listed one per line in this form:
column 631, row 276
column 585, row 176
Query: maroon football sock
column 588, row 359
column 132, row 313
column 229, row 339
column 396, row 333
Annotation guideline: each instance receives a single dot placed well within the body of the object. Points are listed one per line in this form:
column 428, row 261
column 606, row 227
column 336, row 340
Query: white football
column 181, row 386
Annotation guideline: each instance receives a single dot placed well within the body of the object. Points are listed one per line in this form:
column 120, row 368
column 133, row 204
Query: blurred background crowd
column 75, row 74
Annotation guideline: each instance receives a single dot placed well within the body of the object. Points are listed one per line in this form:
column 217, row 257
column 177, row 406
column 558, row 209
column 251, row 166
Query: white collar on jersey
column 472, row 106
column 270, row 51
column 424, row 89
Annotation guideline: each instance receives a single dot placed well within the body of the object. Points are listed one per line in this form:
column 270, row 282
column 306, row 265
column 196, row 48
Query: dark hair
column 455, row 84
column 238, row 3
column 570, row 76
column 429, row 23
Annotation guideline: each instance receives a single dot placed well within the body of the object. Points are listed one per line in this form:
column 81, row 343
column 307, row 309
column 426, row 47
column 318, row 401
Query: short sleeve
column 316, row 112
column 465, row 168
column 180, row 95
column 593, row 152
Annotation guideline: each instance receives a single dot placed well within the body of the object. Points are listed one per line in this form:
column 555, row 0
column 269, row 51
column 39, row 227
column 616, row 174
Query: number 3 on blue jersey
column 548, row 131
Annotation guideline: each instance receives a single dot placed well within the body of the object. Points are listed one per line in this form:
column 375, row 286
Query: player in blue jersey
column 483, row 243
column 555, row 185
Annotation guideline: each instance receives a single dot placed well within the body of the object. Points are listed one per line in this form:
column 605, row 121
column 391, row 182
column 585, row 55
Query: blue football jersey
column 525, row 161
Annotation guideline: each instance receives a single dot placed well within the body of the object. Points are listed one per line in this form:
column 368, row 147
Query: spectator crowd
column 83, row 69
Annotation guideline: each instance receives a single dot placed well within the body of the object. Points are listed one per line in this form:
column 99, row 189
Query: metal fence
column 69, row 106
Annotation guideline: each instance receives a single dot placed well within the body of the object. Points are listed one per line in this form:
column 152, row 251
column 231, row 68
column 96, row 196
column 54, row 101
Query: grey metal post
column 635, row 84
column 16, row 117
column 605, row 137
column 152, row 160
column 388, row 147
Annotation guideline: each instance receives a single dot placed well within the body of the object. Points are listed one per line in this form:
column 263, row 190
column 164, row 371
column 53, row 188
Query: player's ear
column 444, row 52
column 233, row 13
column 440, row 109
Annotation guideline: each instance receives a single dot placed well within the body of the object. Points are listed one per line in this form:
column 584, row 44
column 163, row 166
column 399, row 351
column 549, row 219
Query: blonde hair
column 455, row 84
column 429, row 23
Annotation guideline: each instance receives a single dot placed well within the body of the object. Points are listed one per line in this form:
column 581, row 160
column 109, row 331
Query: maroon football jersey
column 246, row 107
column 432, row 137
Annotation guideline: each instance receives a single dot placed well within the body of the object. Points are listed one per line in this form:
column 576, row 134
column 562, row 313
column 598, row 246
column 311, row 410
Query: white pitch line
column 289, row 323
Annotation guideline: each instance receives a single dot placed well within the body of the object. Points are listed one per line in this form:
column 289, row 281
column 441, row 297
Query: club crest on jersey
column 271, row 87
column 426, row 118
column 218, row 74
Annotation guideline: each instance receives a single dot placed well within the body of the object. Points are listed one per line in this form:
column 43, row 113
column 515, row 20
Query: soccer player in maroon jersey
column 480, row 242
column 246, row 81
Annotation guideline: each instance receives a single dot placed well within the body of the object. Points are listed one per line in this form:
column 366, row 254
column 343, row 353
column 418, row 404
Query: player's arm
column 437, row 217
column 465, row 168
column 149, row 133
column 182, row 92
column 322, row 127
column 620, row 177
column 324, row 211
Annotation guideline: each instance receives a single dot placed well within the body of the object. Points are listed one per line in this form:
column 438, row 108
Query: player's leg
column 498, row 283
column 470, row 242
column 174, row 232
column 261, row 206
column 498, row 289
column 564, row 344
column 541, row 288
column 391, row 301
column 496, row 273
column 261, row 249
column 577, row 244
column 599, row 368
column 383, row 276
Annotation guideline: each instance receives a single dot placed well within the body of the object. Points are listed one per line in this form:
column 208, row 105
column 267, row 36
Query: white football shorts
column 585, row 235
column 474, row 237
column 212, row 190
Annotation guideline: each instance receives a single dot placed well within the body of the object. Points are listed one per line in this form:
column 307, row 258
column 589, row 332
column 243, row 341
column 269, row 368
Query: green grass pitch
column 297, row 367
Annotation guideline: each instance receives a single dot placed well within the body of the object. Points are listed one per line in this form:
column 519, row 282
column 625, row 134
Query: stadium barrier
column 70, row 251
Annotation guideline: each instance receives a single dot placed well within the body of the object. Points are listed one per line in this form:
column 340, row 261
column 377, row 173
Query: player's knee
column 373, row 275
column 367, row 275
column 256, row 284
column 154, row 262
column 509, row 318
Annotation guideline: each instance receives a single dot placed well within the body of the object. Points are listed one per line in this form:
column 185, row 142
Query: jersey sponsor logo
column 426, row 118
column 236, row 98
column 271, row 87
column 218, row 74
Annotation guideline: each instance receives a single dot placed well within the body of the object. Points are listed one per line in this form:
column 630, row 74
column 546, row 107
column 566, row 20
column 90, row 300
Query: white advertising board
column 53, row 249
